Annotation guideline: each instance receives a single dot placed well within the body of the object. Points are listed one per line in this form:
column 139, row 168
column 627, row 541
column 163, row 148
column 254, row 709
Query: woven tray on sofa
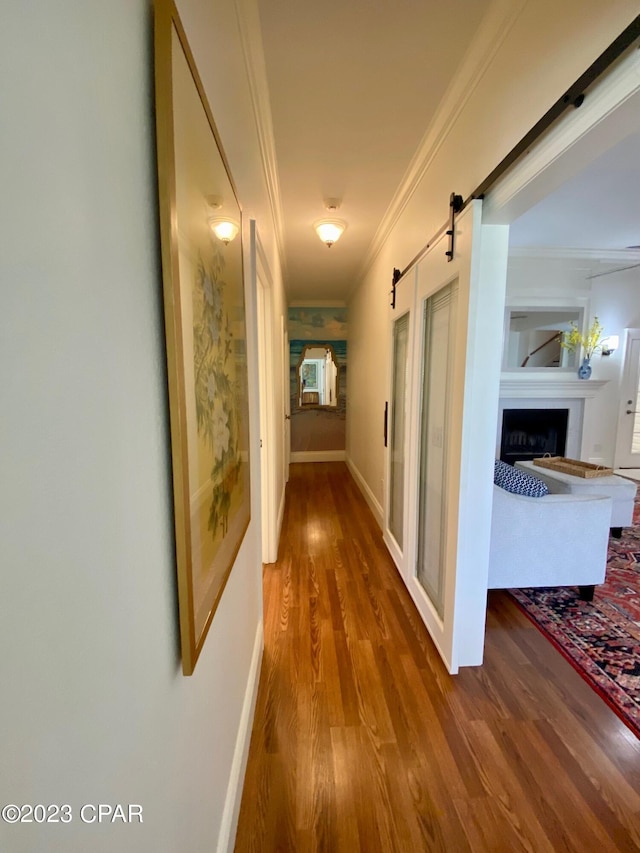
column 573, row 466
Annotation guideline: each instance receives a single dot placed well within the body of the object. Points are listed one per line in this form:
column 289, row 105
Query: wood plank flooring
column 363, row 742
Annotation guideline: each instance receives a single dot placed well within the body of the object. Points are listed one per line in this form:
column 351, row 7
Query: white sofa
column 555, row 540
column 621, row 491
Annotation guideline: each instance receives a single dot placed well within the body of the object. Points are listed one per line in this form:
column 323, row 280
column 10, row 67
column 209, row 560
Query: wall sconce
column 610, row 344
column 330, row 230
column 225, row 229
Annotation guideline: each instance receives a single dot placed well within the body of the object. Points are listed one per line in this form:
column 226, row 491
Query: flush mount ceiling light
column 330, row 230
column 224, row 228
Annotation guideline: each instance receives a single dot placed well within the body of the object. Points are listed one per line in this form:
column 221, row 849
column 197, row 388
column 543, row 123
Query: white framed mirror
column 317, row 374
column 532, row 338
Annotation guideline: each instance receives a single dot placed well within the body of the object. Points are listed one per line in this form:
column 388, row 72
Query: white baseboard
column 229, row 823
column 370, row 498
column 319, row 456
column 283, row 498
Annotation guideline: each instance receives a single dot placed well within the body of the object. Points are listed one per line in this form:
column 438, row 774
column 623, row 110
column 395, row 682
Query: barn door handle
column 386, row 417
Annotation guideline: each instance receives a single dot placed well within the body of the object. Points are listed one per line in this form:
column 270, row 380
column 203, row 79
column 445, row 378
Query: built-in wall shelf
column 534, row 385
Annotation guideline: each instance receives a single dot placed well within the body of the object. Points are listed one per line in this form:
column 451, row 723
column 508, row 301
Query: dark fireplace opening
column 530, row 433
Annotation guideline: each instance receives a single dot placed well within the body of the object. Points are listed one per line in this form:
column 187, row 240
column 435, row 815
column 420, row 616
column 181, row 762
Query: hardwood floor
column 363, row 742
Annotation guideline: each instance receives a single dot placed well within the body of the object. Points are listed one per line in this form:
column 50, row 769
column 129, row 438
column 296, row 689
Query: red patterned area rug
column 601, row 639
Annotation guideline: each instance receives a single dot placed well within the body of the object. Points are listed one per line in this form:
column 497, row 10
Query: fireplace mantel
column 533, row 385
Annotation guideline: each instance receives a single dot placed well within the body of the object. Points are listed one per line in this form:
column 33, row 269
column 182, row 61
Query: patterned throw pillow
column 519, row 482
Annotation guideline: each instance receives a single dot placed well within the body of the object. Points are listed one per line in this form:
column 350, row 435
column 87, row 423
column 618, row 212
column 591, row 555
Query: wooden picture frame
column 203, row 283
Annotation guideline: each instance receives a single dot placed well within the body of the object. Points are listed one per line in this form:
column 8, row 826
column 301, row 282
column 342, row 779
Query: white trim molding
column 573, row 141
column 372, row 501
column 592, row 255
column 512, row 387
column 319, row 456
column 251, row 38
column 283, row 500
column 317, row 303
column 229, row 822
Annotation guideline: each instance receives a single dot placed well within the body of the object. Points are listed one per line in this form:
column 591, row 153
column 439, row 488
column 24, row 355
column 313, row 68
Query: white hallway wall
column 526, row 68
column 94, row 706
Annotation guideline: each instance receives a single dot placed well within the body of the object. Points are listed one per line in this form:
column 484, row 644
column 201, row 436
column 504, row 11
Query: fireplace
column 530, row 433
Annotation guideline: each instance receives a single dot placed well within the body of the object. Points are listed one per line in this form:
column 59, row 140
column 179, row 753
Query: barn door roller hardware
column 455, row 206
column 397, row 275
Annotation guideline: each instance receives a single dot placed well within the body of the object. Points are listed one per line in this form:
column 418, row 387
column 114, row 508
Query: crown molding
column 594, row 255
column 492, row 32
column 317, row 303
column 251, row 39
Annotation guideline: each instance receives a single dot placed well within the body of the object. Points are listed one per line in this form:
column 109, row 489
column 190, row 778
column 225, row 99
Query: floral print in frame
column 203, row 285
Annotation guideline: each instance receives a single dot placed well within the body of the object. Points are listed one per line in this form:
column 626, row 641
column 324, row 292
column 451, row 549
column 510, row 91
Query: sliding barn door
column 455, row 380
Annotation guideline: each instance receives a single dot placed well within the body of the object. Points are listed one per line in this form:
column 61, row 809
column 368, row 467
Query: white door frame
column 628, row 395
column 263, row 285
column 286, row 397
column 608, row 114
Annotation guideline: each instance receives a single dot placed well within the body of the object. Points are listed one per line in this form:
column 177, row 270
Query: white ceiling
column 597, row 210
column 354, row 85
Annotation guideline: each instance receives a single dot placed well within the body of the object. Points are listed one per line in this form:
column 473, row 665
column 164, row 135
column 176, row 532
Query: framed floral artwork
column 203, row 282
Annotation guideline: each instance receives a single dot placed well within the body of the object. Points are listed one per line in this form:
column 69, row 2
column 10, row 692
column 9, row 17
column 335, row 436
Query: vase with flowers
column 591, row 342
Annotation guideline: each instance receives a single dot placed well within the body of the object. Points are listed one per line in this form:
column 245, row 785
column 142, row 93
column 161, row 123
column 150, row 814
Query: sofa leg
column 587, row 592
column 616, row 532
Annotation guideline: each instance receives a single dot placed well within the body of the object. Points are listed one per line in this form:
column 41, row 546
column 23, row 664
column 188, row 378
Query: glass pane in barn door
column 459, row 314
column 398, row 426
column 439, row 318
column 398, row 422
